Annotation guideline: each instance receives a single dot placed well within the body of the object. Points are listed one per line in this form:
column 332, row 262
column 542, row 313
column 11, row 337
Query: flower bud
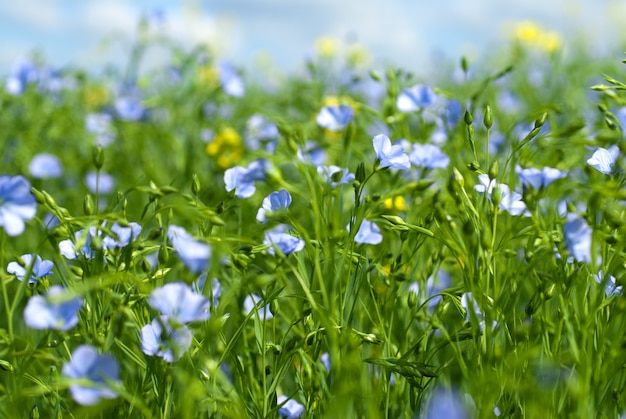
column 488, row 118
column 493, row 170
column 88, row 206
column 195, row 184
column 98, row 157
column 468, row 118
column 496, row 195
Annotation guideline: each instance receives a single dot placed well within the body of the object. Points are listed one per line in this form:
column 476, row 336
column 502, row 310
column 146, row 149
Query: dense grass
column 465, row 303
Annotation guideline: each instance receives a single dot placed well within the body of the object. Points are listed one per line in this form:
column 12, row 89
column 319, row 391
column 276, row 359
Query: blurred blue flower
column 289, row 408
column 241, row 179
column 56, row 310
column 446, row 404
column 312, row 153
column 325, row 358
column 179, row 303
column 125, row 235
column 394, row 157
column 369, row 233
column 81, row 243
column 22, row 74
column 538, row 179
column 165, row 339
column 195, row 254
column 102, row 182
column 335, row 175
column 452, row 112
column 578, row 236
column 44, row 166
column 510, row 201
column 231, row 82
column 129, row 108
column 285, row 242
column 335, row 118
column 275, row 201
column 216, row 288
column 610, row 286
column 428, row 156
column 87, row 364
column 38, row 268
column 415, row 98
column 17, row 204
column 100, row 124
column 252, row 302
column 260, row 131
column 603, row 160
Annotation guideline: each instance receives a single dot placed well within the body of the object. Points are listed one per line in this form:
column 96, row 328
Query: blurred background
column 282, row 33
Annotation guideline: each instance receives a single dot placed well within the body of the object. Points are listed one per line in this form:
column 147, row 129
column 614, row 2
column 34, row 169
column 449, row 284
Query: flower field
column 204, row 240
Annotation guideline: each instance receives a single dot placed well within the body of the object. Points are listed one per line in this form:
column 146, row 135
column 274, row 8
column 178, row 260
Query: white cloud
column 39, row 14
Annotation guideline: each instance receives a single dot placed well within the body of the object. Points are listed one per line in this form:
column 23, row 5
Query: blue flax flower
column 289, row 408
column 428, row 156
column 81, row 245
column 231, row 82
column 88, row 364
column 335, row 175
column 578, row 237
column 603, row 160
column 275, row 201
column 285, row 242
column 312, row 153
column 252, row 302
column 165, row 338
column 17, row 204
column 38, row 268
column 394, row 157
column 124, row 236
column 100, row 182
column 195, row 254
column 369, row 233
column 100, row 124
column 334, row 118
column 260, row 131
column 511, row 201
column 43, row 166
column 179, row 303
column 415, row 98
column 56, row 310
column 241, row 179
column 538, row 179
column 610, row 286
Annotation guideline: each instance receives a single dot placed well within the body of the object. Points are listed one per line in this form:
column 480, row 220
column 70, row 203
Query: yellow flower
column 397, row 202
column 206, row 75
column 95, row 96
column 227, row 147
column 358, row 55
column 531, row 34
column 326, row 46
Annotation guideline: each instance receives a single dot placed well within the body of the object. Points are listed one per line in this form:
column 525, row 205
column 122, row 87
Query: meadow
column 205, row 240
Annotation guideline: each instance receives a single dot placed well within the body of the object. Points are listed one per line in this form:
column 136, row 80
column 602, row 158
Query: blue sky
column 93, row 33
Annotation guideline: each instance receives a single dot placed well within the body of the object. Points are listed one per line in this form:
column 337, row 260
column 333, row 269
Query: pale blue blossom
column 369, row 233
column 578, row 237
column 81, row 245
column 260, row 131
column 242, row 179
column 17, row 204
column 38, row 268
column 230, row 80
column 610, row 284
column 99, row 182
column 100, row 370
column 216, row 288
column 510, row 201
column 538, row 179
column 603, row 160
column 179, row 303
column 335, row 118
column 394, row 157
column 312, row 153
column 57, row 309
column 285, row 242
column 195, row 254
column 165, row 338
column 415, row 98
column 124, row 236
column 129, row 108
column 289, row 408
column 446, row 404
column 100, row 124
column 44, row 166
column 428, row 156
column 276, row 201
column 252, row 302
column 335, row 175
